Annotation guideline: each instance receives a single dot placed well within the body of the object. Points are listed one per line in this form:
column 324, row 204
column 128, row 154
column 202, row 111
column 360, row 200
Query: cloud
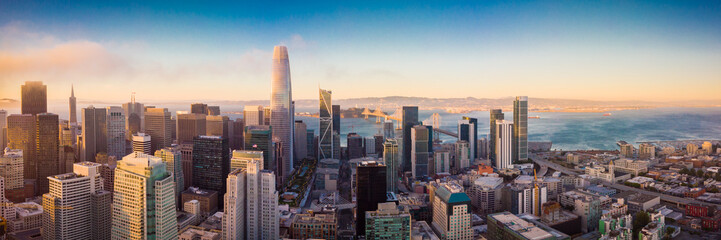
column 296, row 43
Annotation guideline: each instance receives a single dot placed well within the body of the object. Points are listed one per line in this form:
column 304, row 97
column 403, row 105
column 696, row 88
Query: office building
column 259, row 138
column 370, row 190
column 262, row 203
column 486, row 194
column 22, row 136
column 95, row 133
column 420, row 152
column 211, row 163
column 312, row 141
column 409, row 119
column 101, row 203
column 315, row 225
column 3, row 129
column 378, row 142
column 190, row 125
column 143, row 201
column 238, row 134
column 199, row 108
column 503, row 142
column 207, row 200
column 496, row 114
column 68, row 206
column 301, row 142
column 234, row 208
column 158, row 125
column 463, row 153
column 520, row 129
column 11, row 168
column 48, row 143
column 116, row 131
column 72, row 102
column 441, row 162
column 388, row 130
column 452, row 212
column 282, row 119
column 134, row 117
column 141, row 143
column 391, row 157
column 585, row 205
column 241, row 158
column 213, row 110
column 388, row 222
column 217, row 126
column 253, row 115
column 172, row 158
column 505, row 225
column 34, row 98
column 326, row 125
column 468, row 131
column 355, row 146
column 336, row 130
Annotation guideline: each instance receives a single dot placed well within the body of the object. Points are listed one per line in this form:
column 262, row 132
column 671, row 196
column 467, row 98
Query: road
column 554, row 166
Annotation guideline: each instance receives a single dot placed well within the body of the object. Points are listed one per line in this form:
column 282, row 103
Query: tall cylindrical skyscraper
column 281, row 118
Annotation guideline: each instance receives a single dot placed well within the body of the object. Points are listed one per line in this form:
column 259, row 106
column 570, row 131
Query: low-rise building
column 199, row 233
column 319, row 225
column 505, row 225
column 388, row 222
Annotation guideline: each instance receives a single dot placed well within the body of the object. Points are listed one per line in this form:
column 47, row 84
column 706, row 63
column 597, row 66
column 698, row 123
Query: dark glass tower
column 211, row 164
column 325, row 125
column 370, row 190
column 336, row 132
column 520, row 129
column 409, row 119
column 48, row 142
column 472, row 137
column 496, row 114
column 260, row 138
column 34, row 98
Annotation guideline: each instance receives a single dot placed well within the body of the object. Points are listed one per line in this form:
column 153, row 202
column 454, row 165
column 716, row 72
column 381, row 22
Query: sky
column 206, row 50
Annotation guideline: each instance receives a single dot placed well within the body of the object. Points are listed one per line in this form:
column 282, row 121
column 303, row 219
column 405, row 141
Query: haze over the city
column 617, row 50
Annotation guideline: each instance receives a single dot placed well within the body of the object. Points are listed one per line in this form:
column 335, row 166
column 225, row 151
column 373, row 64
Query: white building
column 11, row 168
column 141, row 143
column 67, row 207
column 463, row 154
column 504, row 137
column 144, row 194
column 116, row 131
column 441, row 160
column 261, row 212
column 486, row 194
column 234, row 209
column 452, row 212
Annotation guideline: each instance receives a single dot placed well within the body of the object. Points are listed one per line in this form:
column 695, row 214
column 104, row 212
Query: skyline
column 591, row 51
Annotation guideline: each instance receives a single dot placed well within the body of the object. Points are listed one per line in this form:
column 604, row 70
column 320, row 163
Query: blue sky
column 610, row 50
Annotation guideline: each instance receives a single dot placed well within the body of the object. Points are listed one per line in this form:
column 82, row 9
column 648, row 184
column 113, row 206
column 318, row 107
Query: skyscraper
column 282, row 119
column 452, row 212
column 213, row 110
column 199, row 108
column 261, row 212
column 21, row 136
column 325, row 117
column 503, row 142
column 217, row 126
column 171, row 158
column 420, row 153
column 3, row 129
column 300, row 141
column 189, row 126
column 496, row 114
column 472, row 136
column 95, row 133
column 158, row 125
column 34, row 98
column 391, row 157
column 259, row 138
column 67, row 207
column 409, row 119
column 355, row 146
column 520, row 129
column 234, row 208
column 141, row 143
column 388, row 130
column 134, row 117
column 336, row 131
column 253, row 115
column 370, row 189
column 116, row 131
column 238, row 134
column 241, row 158
column 48, row 143
column 144, row 201
column 73, row 106
column 211, row 163
column 11, row 168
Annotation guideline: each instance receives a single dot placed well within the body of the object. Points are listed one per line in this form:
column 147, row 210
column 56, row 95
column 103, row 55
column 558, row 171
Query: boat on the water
column 607, row 114
column 534, row 117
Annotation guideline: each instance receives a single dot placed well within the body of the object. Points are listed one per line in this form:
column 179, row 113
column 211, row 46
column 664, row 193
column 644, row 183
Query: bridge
column 398, row 117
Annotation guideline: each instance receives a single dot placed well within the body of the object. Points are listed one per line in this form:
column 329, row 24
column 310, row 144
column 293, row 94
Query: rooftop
column 520, row 226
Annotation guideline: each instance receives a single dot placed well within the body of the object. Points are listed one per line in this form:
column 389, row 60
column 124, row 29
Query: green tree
column 684, row 171
column 640, row 221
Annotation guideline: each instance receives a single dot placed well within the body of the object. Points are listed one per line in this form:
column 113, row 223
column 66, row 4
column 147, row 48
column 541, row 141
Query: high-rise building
column 217, row 126
column 172, row 158
column 186, row 156
column 325, row 125
column 213, row 110
column 238, row 134
column 199, row 108
column 3, row 129
column 496, row 114
column 190, row 125
column 211, row 163
column 441, row 162
column 452, row 212
column 282, row 118
column 355, row 146
column 520, row 129
column 336, row 130
column 158, row 125
column 262, row 203
column 67, row 208
column 34, row 98
column 420, row 153
column 48, row 143
column 101, row 203
column 468, row 131
column 259, row 138
column 463, row 153
column 391, row 157
column 266, row 116
column 144, row 200
column 134, row 117
column 234, row 209
column 72, row 102
column 388, row 130
column 388, row 222
column 141, row 143
column 11, row 168
column 22, row 135
column 95, row 133
column 486, row 194
column 503, row 142
column 301, row 142
column 116, row 131
column 253, row 115
column 370, row 190
column 241, row 158
column 409, row 119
